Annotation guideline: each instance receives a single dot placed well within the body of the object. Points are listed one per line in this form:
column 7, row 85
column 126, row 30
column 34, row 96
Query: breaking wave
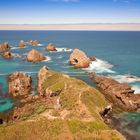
column 100, row 66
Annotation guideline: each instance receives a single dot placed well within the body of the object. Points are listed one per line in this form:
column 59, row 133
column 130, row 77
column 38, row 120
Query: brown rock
column 35, row 56
column 7, row 55
column 92, row 58
column 22, row 44
column 4, row 47
column 19, row 85
column 34, row 42
column 51, row 47
column 79, row 59
column 43, row 73
column 120, row 94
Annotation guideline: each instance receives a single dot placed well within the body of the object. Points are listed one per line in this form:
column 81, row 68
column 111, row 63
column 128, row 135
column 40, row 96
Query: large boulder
column 79, row 59
column 35, row 56
column 120, row 94
column 34, row 42
column 19, row 85
column 4, row 47
column 7, row 55
column 22, row 44
column 51, row 47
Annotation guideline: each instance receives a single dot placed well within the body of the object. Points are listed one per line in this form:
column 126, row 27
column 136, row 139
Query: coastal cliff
column 64, row 108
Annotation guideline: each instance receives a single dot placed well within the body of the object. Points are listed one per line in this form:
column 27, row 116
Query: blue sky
column 69, row 11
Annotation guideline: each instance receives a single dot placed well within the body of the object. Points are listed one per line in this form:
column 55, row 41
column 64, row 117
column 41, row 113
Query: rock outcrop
column 41, row 78
column 7, row 55
column 35, row 56
column 79, row 59
column 120, row 94
column 19, row 85
column 51, row 47
column 34, row 42
column 4, row 47
column 92, row 58
column 22, row 44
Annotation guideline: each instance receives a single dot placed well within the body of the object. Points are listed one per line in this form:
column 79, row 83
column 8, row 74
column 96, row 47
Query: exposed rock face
column 79, row 59
column 7, row 55
column 51, row 47
column 34, row 42
column 92, row 58
column 22, row 44
column 43, row 73
column 4, row 47
column 19, row 84
column 35, row 56
column 120, row 94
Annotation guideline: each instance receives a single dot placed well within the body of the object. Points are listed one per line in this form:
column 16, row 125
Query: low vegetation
column 83, row 122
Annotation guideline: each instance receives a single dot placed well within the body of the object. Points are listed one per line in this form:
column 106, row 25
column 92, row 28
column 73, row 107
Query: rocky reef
column 35, row 56
column 119, row 94
column 79, row 59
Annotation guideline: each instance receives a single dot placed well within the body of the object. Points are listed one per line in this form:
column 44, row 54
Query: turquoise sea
column 117, row 53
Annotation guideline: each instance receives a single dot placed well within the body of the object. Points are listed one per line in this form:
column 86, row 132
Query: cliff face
column 67, row 108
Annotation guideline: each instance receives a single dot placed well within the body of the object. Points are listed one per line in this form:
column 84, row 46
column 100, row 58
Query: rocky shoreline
column 27, row 104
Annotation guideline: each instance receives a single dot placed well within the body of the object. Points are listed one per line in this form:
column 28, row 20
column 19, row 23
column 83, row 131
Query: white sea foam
column 127, row 78
column 40, row 45
column 100, row 66
column 47, row 59
column 136, row 88
column 63, row 50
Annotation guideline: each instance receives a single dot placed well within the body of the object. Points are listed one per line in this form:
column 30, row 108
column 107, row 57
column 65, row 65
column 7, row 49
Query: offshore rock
column 51, row 47
column 4, row 47
column 19, row 85
column 35, row 56
column 79, row 59
column 22, row 44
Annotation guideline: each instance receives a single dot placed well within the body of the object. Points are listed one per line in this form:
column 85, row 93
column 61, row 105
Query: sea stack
column 35, row 56
column 7, row 55
column 79, row 59
column 4, row 47
column 51, row 47
column 34, row 42
column 19, row 84
column 22, row 44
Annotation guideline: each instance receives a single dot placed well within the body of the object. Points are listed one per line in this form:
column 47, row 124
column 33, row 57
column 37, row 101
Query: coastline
column 71, row 27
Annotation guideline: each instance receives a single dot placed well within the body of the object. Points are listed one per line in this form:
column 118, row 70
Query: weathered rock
column 51, row 47
column 35, row 56
column 7, row 55
column 79, row 59
column 34, row 42
column 120, row 94
column 4, row 47
column 22, row 44
column 92, row 58
column 19, row 85
column 43, row 73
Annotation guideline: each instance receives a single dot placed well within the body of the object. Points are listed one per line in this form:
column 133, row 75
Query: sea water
column 117, row 53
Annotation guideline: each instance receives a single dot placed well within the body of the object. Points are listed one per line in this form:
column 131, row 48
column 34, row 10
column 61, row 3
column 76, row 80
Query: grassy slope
column 83, row 122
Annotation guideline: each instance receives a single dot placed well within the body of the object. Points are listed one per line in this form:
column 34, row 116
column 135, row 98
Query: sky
column 69, row 11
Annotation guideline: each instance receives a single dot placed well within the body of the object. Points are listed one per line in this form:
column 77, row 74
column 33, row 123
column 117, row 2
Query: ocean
column 117, row 53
